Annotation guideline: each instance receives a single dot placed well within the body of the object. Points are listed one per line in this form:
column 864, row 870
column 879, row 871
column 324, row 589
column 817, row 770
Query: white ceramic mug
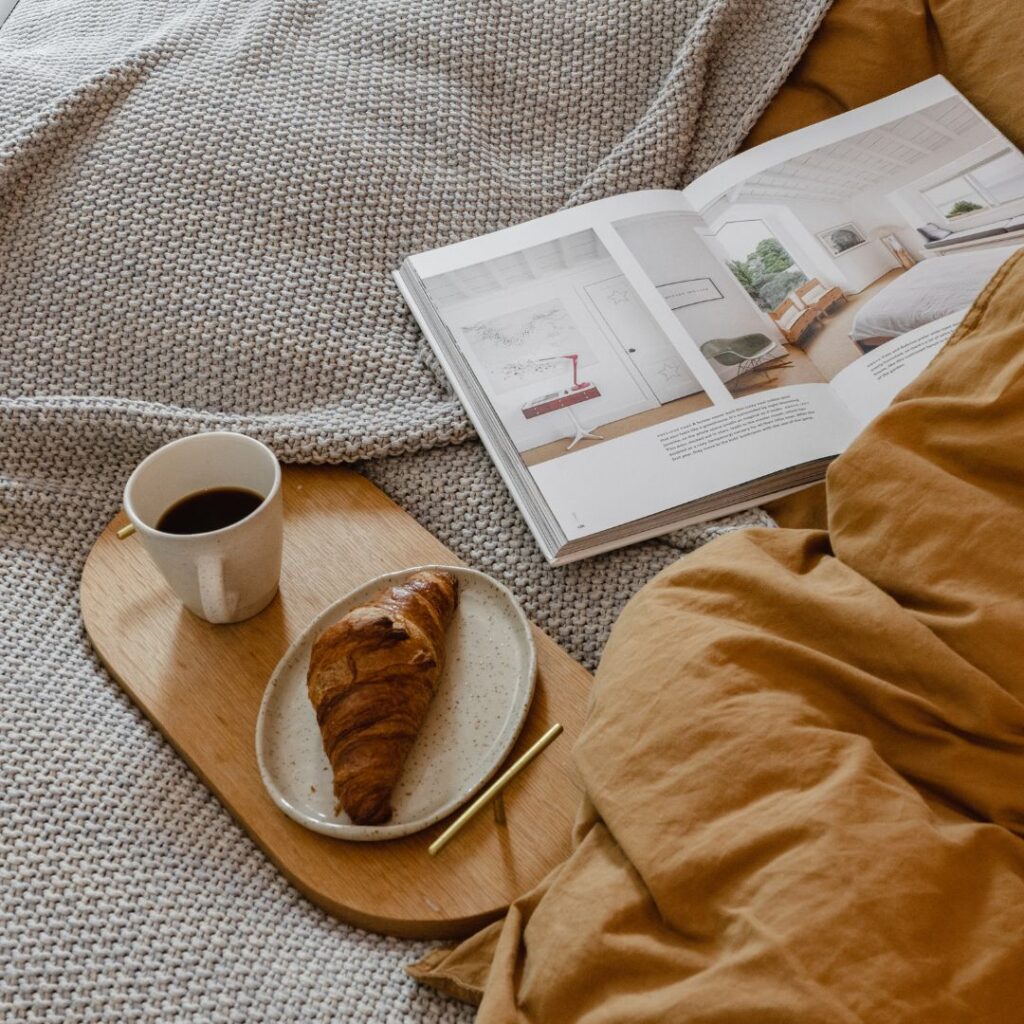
column 225, row 575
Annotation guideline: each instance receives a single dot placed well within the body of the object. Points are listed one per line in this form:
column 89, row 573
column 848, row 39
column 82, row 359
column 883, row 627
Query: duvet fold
column 804, row 770
column 804, row 766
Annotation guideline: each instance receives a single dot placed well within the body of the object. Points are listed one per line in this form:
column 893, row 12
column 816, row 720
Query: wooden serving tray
column 201, row 685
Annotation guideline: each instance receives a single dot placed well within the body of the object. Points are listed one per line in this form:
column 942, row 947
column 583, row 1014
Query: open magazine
column 658, row 358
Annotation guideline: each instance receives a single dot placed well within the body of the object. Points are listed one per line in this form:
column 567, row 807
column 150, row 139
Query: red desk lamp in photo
column 579, row 391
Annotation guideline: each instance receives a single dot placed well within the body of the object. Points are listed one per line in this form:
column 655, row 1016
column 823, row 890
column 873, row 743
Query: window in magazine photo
column 750, row 273
column 993, row 182
column 565, row 351
column 852, row 244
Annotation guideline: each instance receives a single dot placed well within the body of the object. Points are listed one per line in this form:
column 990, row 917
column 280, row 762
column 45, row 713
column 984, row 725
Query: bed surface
column 804, row 762
column 184, row 922
column 794, row 810
column 201, row 204
column 932, row 289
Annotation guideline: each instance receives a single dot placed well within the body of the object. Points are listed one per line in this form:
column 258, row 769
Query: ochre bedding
column 804, row 766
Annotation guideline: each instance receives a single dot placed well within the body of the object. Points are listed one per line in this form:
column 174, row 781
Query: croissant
column 371, row 678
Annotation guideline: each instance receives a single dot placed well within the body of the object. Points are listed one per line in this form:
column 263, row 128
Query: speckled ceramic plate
column 473, row 721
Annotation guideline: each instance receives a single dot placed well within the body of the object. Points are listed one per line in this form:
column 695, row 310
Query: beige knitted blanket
column 200, row 205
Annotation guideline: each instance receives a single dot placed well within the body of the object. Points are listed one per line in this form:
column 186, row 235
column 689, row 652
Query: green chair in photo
column 745, row 352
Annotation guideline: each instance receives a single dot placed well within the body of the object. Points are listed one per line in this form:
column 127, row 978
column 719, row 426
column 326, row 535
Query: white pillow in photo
column 789, row 318
column 814, row 294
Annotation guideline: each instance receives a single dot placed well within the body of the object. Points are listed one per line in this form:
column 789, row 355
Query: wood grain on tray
column 202, row 685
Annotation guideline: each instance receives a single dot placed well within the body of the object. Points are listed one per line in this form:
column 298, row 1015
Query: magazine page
column 628, row 368
column 866, row 237
column 869, row 384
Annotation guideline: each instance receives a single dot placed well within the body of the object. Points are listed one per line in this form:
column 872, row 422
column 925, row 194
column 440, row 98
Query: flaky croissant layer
column 372, row 676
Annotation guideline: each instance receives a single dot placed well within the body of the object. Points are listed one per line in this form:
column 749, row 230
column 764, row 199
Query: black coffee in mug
column 212, row 509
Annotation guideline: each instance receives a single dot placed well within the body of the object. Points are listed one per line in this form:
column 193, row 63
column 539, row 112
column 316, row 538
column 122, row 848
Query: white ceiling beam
column 937, row 125
column 803, row 171
column 894, row 163
column 885, row 130
column 839, row 162
column 841, row 182
column 774, row 191
column 809, row 192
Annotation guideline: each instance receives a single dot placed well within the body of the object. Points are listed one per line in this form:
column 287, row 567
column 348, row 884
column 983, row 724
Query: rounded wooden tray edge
column 94, row 580
column 414, row 928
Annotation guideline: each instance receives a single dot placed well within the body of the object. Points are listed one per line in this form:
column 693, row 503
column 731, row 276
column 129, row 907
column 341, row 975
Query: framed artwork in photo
column 842, row 238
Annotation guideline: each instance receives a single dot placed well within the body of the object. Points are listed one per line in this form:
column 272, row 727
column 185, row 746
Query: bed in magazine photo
column 928, row 291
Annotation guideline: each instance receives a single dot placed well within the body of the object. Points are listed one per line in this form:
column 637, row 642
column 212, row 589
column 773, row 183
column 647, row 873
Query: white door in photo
column 540, row 341
column 641, row 339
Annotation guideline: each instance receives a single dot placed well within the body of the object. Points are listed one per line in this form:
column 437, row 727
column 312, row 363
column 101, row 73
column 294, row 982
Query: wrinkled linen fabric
column 200, row 204
column 803, row 767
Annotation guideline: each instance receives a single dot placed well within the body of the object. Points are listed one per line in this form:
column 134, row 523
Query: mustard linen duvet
column 804, row 767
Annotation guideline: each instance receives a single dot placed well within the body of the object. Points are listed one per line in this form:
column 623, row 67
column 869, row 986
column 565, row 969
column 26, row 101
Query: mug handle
column 217, row 606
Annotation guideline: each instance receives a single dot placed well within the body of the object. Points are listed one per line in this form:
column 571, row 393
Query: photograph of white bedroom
column 847, row 246
column 748, row 350
column 564, row 350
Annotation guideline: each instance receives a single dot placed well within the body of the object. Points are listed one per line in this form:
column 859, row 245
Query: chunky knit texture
column 200, row 203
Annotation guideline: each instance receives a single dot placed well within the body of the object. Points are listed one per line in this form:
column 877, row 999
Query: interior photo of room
column 565, row 352
column 852, row 244
column 748, row 350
